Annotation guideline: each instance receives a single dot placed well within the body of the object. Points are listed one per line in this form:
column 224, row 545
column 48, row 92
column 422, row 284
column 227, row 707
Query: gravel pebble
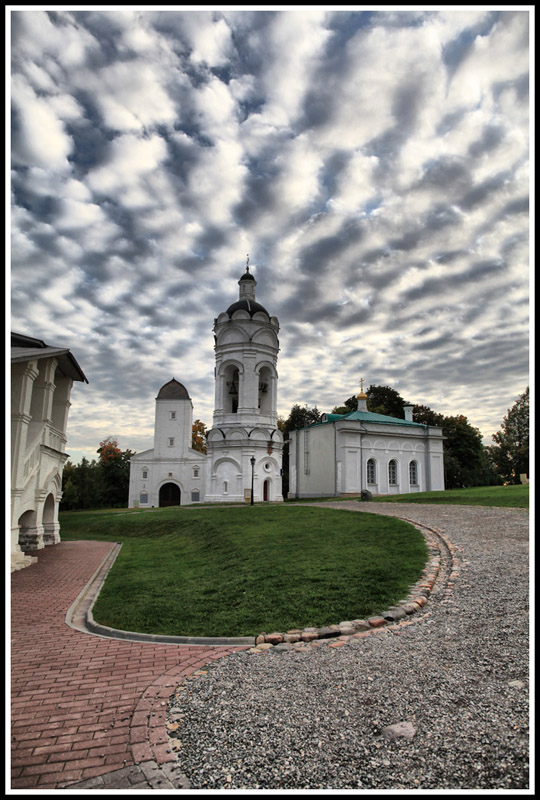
column 314, row 717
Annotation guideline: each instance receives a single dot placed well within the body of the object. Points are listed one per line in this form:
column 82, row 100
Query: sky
column 375, row 165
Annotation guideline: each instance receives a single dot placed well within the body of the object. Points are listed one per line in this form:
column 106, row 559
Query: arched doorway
column 50, row 524
column 169, row 495
column 266, row 490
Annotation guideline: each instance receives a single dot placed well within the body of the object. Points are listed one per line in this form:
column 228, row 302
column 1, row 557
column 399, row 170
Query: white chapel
column 363, row 451
column 244, row 458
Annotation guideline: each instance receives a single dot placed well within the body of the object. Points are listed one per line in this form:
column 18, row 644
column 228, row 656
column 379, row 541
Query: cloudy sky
column 374, row 165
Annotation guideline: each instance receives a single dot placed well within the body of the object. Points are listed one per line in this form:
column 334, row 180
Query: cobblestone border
column 440, row 572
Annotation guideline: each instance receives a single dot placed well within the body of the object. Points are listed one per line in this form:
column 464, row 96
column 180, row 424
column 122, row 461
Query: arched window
column 231, row 389
column 195, row 472
column 225, row 487
column 371, row 471
column 413, row 473
column 143, row 498
column 145, row 474
column 392, row 472
column 195, row 496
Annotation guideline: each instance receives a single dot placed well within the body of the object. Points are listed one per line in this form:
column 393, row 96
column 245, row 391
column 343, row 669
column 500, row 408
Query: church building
column 244, row 457
column 351, row 453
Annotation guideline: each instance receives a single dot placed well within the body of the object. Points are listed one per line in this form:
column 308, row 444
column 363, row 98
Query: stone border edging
column 360, row 628
column 80, row 617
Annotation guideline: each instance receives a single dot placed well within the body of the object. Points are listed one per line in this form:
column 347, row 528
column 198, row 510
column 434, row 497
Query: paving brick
column 70, row 690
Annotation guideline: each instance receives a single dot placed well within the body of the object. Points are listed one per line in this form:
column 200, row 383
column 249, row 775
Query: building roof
column 173, row 390
column 27, row 348
column 251, row 306
column 370, row 416
column 247, row 276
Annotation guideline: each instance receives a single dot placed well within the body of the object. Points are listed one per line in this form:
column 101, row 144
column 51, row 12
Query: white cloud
column 42, row 139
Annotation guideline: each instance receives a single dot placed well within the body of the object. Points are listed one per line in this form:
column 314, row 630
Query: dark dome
column 173, row 391
column 247, row 276
column 246, row 305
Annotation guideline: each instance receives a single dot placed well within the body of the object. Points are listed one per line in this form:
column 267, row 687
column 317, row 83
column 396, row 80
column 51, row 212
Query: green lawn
column 511, row 496
column 241, row 571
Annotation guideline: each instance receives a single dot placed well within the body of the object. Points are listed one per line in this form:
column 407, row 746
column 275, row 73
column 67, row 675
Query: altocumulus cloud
column 374, row 164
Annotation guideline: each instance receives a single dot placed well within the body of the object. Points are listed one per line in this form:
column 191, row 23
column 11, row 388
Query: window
column 173, row 414
column 413, row 473
column 195, row 472
column 392, row 472
column 195, row 497
column 225, row 486
column 145, row 473
column 171, row 441
column 371, row 471
column 143, row 498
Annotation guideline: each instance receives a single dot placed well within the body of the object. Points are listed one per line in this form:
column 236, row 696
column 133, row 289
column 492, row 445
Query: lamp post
column 252, row 461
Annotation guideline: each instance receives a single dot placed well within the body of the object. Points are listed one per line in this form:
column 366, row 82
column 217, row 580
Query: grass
column 241, row 571
column 509, row 496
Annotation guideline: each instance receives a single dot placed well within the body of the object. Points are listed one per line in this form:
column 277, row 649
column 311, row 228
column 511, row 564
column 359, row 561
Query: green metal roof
column 369, row 416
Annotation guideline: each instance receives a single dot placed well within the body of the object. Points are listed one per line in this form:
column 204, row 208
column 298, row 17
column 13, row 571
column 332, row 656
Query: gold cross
column 362, row 385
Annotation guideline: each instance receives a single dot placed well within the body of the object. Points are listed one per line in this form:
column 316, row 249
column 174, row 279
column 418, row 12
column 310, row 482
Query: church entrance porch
column 169, row 495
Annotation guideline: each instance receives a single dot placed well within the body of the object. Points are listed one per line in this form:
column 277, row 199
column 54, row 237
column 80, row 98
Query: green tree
column 380, row 400
column 385, row 400
column 510, row 454
column 463, row 450
column 114, row 466
column 82, row 485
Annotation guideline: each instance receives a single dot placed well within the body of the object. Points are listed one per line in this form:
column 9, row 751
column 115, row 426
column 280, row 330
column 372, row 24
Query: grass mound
column 240, row 571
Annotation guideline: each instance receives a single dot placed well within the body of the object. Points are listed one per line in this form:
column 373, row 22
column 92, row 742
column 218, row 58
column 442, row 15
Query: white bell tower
column 245, row 412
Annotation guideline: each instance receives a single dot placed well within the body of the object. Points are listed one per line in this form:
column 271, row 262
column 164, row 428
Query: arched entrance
column 266, row 490
column 169, row 495
column 50, row 524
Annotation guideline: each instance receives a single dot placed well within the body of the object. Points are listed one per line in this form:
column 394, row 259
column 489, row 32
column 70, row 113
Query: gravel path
column 320, row 716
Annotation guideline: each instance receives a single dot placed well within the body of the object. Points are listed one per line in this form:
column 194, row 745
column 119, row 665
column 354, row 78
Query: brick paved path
column 83, row 706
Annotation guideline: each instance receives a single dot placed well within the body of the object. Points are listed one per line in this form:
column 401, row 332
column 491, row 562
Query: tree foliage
column 102, row 483
column 510, row 453
column 198, row 438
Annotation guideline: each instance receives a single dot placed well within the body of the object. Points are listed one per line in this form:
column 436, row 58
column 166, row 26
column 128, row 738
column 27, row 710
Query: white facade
column 244, row 422
column 172, row 473
column 347, row 454
column 41, row 382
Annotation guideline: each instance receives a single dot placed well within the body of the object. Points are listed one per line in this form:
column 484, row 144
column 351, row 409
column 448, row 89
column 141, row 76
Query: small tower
column 245, row 411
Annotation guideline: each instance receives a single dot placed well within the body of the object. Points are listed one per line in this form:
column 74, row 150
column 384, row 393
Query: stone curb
column 390, row 619
column 80, row 617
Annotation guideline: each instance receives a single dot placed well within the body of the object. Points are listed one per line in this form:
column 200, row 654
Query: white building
column 172, row 473
column 349, row 453
column 41, row 380
column 244, row 443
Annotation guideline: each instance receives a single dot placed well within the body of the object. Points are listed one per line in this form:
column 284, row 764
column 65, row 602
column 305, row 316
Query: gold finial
column 247, row 263
column 362, row 394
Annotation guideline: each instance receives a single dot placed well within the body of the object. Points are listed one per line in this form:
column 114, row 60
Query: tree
column 114, row 466
column 380, row 400
column 385, row 400
column 198, row 438
column 463, row 450
column 301, row 417
column 510, row 454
